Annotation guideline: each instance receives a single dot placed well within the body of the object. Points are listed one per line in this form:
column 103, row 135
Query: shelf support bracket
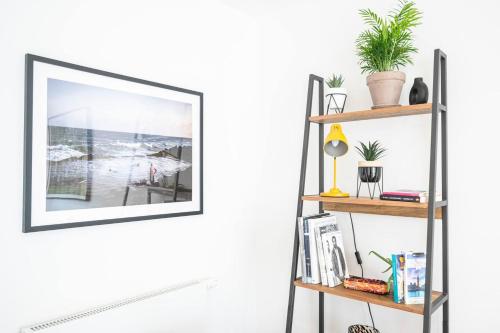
column 439, row 103
column 300, row 203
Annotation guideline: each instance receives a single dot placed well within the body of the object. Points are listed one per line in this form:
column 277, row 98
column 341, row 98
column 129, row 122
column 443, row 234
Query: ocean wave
column 108, row 174
column 59, row 153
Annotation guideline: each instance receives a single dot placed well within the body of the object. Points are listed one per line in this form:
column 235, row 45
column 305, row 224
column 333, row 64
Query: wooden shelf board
column 396, row 111
column 386, row 300
column 373, row 206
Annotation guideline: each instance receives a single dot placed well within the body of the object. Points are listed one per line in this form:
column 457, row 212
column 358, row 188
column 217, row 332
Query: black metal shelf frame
column 439, row 110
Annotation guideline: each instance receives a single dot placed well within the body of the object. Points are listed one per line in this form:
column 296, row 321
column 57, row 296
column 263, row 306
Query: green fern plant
column 335, row 81
column 371, row 152
column 388, row 43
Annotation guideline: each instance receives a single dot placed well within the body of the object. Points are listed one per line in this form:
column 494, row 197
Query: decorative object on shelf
column 386, row 47
column 373, row 286
column 335, row 145
column 336, row 95
column 362, row 329
column 388, row 261
column 419, row 93
column 370, row 170
column 106, row 148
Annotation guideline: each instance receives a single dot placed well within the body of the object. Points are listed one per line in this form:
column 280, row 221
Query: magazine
column 319, row 246
column 311, row 251
column 334, row 254
column 414, row 278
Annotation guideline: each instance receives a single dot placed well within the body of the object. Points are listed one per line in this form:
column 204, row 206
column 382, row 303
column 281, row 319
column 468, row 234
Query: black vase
column 419, row 93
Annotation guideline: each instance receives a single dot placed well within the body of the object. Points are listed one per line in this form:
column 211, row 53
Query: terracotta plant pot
column 385, row 88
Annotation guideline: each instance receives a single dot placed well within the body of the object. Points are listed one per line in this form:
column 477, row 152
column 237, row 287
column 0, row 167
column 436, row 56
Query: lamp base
column 335, row 192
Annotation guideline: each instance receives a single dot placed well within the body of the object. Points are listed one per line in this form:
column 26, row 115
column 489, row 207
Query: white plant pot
column 369, row 164
column 339, row 97
column 385, row 88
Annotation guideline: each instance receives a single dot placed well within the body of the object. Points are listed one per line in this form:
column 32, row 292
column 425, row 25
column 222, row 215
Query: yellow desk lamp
column 335, row 145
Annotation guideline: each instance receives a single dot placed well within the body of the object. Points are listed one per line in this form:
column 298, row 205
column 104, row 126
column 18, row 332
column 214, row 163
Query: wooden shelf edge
column 374, row 206
column 397, row 111
column 361, row 296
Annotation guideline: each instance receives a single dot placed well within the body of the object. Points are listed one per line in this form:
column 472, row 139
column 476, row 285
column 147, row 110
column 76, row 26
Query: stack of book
column 322, row 250
column 409, row 195
column 408, row 272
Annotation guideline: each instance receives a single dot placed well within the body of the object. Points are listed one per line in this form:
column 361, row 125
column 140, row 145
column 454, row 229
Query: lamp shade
column 336, row 142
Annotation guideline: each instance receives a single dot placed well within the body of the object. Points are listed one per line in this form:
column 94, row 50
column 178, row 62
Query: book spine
column 408, row 194
column 395, row 278
column 313, row 251
column 321, row 257
column 300, row 222
column 400, row 198
column 307, row 251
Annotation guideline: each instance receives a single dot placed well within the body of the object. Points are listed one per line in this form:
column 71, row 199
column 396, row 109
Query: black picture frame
column 30, row 60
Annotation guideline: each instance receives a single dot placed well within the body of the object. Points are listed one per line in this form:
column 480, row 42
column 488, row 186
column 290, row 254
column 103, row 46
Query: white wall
column 251, row 59
column 200, row 45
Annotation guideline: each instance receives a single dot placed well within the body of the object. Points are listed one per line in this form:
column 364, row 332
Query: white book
column 319, row 246
column 305, row 248
column 414, row 278
column 311, row 257
column 313, row 249
column 334, row 253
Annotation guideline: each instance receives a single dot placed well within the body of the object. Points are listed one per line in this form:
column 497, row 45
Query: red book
column 406, row 193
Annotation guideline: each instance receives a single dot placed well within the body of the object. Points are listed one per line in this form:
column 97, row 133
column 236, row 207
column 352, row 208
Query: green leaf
column 372, row 151
column 387, row 260
column 335, row 81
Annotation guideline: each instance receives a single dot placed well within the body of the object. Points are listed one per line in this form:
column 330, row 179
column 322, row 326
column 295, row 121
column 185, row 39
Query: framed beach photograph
column 106, row 148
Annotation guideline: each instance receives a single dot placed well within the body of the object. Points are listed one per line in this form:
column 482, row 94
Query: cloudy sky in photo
column 79, row 105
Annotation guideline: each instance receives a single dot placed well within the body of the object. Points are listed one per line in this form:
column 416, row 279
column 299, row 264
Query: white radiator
column 176, row 309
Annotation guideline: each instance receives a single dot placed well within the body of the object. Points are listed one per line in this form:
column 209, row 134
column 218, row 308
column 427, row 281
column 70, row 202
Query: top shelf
column 396, row 111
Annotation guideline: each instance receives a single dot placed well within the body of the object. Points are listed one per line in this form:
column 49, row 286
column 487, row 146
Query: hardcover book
column 409, row 196
column 334, row 253
column 414, row 278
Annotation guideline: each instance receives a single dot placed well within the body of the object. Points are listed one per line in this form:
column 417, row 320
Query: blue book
column 398, row 261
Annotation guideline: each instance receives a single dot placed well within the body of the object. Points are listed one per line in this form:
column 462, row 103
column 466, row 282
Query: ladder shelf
column 431, row 211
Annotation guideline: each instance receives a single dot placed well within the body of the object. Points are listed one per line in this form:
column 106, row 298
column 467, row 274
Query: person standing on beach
column 152, row 173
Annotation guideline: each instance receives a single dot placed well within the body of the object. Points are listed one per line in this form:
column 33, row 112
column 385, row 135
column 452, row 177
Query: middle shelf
column 375, row 206
column 383, row 300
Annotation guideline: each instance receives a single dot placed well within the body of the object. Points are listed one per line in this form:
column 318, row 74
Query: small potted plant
column 385, row 47
column 370, row 169
column 335, row 94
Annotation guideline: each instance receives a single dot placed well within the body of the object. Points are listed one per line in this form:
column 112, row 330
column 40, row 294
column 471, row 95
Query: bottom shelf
column 366, row 297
